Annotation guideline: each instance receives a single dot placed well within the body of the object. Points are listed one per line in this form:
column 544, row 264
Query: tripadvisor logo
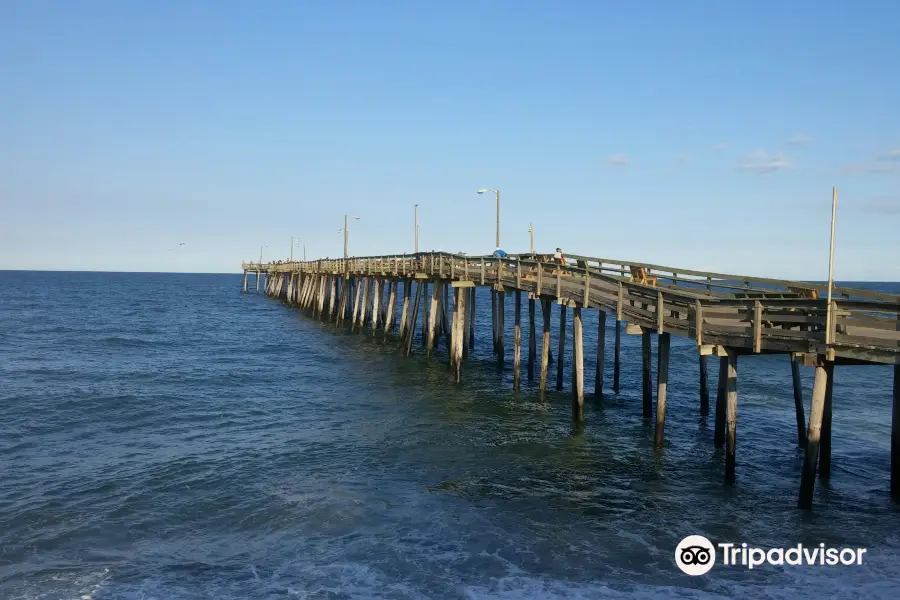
column 696, row 555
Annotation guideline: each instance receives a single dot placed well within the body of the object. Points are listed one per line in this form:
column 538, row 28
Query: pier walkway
column 727, row 316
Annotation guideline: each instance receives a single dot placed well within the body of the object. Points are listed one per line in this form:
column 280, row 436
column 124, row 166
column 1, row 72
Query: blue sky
column 703, row 135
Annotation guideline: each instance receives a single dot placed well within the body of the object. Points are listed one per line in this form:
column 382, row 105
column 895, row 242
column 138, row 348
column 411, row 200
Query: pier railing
column 752, row 314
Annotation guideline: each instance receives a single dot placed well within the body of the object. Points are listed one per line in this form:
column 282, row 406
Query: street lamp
column 416, row 229
column 298, row 245
column 345, row 232
column 497, row 192
column 260, row 252
column 531, row 238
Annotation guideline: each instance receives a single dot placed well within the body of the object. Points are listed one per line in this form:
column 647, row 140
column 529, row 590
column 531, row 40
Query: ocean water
column 166, row 437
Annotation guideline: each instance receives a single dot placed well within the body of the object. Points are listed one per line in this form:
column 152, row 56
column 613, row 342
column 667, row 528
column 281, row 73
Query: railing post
column 757, row 327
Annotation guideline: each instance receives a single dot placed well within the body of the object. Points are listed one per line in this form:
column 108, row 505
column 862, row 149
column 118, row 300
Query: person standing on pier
column 500, row 253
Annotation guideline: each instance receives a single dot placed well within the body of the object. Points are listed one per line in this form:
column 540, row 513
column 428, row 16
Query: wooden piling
column 721, row 399
column 355, row 318
column 704, row 386
column 432, row 317
column 662, row 385
column 647, row 378
column 577, row 366
column 364, row 308
column 411, row 334
column 425, row 314
column 470, row 311
column 389, row 315
column 895, row 436
column 467, row 322
column 616, row 356
column 244, row 285
column 517, row 339
column 333, row 299
column 561, row 353
column 376, row 305
column 545, row 343
column 730, row 416
column 456, row 339
column 494, row 318
column 813, row 436
column 825, row 441
column 532, row 343
column 601, row 354
column 445, row 309
column 404, row 312
column 500, row 328
column 798, row 402
column 257, row 281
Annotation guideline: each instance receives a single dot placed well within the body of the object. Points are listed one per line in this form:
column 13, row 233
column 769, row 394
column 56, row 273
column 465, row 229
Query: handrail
column 710, row 276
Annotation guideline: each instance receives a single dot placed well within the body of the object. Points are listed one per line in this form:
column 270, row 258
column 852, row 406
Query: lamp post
column 345, row 232
column 497, row 193
column 298, row 245
column 260, row 252
column 829, row 315
column 416, row 228
column 531, row 239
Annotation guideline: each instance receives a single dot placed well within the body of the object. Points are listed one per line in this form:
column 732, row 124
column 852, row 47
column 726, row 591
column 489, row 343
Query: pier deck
column 725, row 315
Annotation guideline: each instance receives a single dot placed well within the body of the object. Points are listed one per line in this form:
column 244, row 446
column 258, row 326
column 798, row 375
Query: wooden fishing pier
column 727, row 316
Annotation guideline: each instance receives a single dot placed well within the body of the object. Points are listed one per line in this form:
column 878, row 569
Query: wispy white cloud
column 762, row 163
column 888, row 162
column 720, row 146
column 618, row 160
column 798, row 139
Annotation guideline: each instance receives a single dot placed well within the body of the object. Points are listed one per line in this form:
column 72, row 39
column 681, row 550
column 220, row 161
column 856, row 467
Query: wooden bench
column 805, row 292
column 640, row 275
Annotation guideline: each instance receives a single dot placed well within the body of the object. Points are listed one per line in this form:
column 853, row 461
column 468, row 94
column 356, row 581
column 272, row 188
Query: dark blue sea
column 163, row 436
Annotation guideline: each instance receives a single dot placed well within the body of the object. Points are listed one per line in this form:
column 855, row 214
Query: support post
column 813, row 436
column 433, row 317
column 825, row 443
column 731, row 417
column 494, row 319
column 411, row 335
column 355, row 316
column 363, row 309
column 376, row 305
column 244, row 286
column 577, row 366
column 445, row 309
column 561, row 353
column 404, row 316
column 470, row 311
column 647, row 378
column 662, row 385
column 545, row 343
column 389, row 315
column 517, row 340
column 425, row 316
column 798, row 402
column 501, row 313
column 532, row 345
column 601, row 354
column 719, row 435
column 895, row 436
column 704, row 386
column 617, row 354
column 459, row 319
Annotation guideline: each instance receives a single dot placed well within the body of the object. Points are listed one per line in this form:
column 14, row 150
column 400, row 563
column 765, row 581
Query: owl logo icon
column 695, row 555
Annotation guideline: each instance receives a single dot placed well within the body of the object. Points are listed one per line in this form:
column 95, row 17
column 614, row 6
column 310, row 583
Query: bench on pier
column 805, row 292
column 642, row 275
